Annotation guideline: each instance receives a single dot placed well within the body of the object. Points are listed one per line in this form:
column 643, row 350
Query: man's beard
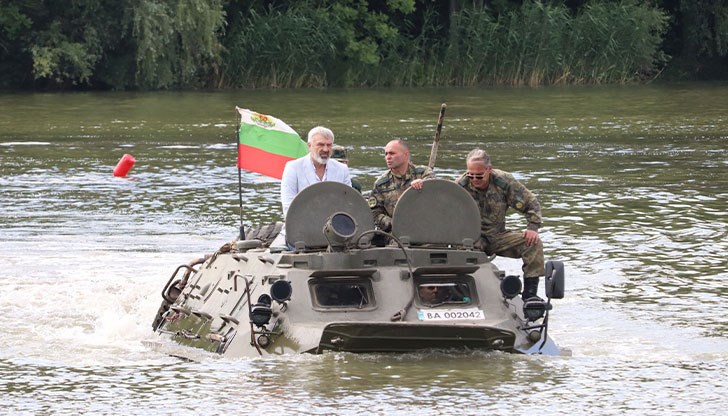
column 321, row 160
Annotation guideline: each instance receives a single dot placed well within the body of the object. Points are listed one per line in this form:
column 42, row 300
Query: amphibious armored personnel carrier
column 330, row 281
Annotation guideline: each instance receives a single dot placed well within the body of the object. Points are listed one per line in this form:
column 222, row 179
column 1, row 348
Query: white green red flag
column 266, row 144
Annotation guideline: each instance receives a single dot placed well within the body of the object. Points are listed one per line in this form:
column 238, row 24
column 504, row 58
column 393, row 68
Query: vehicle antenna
column 436, row 141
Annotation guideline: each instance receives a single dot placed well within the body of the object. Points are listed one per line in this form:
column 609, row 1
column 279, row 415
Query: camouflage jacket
column 387, row 190
column 503, row 192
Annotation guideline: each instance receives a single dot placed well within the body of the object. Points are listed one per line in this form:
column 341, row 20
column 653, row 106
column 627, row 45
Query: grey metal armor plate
column 313, row 206
column 442, row 213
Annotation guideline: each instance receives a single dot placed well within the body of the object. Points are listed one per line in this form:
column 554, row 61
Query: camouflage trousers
column 511, row 244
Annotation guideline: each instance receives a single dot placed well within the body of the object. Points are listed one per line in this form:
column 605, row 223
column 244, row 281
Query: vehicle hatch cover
column 441, row 213
column 313, row 206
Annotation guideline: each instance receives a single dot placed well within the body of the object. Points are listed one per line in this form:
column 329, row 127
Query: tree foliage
column 705, row 27
column 120, row 44
column 164, row 44
column 176, row 42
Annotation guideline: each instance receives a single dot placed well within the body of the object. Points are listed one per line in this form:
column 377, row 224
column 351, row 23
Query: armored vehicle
column 327, row 280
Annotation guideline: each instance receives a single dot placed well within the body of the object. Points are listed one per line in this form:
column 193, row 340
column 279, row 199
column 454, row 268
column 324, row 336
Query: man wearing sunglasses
column 401, row 175
column 496, row 191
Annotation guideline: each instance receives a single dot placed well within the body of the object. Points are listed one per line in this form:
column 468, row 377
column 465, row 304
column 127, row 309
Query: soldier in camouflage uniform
column 495, row 191
column 339, row 153
column 401, row 175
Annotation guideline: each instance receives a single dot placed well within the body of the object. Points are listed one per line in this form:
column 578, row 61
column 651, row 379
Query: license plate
column 449, row 314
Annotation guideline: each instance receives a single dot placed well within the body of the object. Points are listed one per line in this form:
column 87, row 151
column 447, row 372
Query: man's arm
column 426, row 174
column 289, row 186
column 531, row 209
column 524, row 201
column 377, row 204
column 381, row 219
column 519, row 198
column 345, row 174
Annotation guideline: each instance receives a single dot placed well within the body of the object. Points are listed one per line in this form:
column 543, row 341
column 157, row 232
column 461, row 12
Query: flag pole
column 240, row 185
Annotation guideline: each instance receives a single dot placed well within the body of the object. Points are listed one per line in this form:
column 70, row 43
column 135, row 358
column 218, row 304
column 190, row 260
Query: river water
column 633, row 182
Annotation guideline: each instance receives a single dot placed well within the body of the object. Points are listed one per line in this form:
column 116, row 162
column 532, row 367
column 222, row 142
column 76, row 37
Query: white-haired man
column 317, row 166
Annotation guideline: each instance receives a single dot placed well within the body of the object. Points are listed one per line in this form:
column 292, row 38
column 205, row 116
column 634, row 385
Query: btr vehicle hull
column 329, row 281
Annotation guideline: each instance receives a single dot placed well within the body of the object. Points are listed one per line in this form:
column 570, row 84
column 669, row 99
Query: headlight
column 339, row 229
column 260, row 313
column 510, row 286
column 281, row 290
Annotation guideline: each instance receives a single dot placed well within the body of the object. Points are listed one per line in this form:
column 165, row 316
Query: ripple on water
column 634, row 206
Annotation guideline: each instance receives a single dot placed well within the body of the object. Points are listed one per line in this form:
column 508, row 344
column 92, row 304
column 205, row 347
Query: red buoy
column 124, row 166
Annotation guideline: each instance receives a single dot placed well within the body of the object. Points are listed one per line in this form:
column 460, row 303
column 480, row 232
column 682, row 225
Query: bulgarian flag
column 266, row 144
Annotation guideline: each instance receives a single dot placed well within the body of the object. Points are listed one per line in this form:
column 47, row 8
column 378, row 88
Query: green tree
column 310, row 43
column 55, row 42
column 175, row 43
column 163, row 44
column 704, row 28
column 14, row 26
column 111, row 43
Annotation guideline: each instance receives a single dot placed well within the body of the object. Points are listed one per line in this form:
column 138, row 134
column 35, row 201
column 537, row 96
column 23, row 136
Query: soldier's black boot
column 530, row 288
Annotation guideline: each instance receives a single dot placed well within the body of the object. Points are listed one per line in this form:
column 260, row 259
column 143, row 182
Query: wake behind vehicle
column 322, row 283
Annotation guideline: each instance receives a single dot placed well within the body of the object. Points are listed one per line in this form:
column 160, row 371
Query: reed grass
column 536, row 44
column 280, row 49
column 539, row 44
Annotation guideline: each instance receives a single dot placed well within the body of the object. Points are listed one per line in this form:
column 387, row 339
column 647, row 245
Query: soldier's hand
column 416, row 184
column 531, row 237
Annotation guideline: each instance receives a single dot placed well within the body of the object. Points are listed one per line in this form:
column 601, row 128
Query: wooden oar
column 436, row 141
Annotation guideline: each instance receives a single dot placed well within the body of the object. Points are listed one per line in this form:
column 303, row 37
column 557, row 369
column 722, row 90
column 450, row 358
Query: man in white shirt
column 315, row 167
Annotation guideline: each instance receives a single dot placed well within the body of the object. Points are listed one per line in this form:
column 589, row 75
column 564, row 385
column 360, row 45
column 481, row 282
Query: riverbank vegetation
column 189, row 44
